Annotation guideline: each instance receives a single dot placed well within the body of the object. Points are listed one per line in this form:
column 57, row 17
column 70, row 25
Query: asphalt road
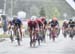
column 60, row 46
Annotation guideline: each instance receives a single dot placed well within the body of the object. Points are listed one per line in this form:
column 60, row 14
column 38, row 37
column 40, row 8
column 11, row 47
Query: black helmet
column 70, row 20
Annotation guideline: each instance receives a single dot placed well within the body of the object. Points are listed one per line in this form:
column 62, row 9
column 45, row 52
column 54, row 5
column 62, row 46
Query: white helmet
column 50, row 20
column 66, row 21
column 33, row 18
column 73, row 20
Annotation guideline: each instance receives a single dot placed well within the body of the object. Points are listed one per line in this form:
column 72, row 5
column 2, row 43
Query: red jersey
column 44, row 21
column 32, row 23
column 39, row 21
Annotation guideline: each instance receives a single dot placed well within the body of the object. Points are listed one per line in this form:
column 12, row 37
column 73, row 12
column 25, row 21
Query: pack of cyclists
column 69, row 28
column 37, row 27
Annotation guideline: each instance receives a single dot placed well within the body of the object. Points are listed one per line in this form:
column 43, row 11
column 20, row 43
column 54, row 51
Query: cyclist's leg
column 20, row 32
column 9, row 27
column 53, row 33
column 14, row 29
column 30, row 35
column 44, row 33
column 34, row 33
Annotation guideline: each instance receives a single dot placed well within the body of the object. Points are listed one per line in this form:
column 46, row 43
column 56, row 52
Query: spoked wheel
column 18, row 37
column 53, row 38
column 18, row 40
column 33, row 41
column 39, row 39
column 43, row 36
column 58, row 32
column 50, row 36
column 39, row 42
column 71, row 35
column 65, row 35
column 11, row 38
column 53, row 35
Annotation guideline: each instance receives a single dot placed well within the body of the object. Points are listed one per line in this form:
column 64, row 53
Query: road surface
column 60, row 46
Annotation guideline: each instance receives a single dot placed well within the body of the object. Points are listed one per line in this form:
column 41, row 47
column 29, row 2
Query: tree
column 34, row 10
column 55, row 12
column 42, row 12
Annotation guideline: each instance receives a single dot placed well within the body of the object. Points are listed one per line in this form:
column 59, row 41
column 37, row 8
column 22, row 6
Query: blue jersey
column 16, row 21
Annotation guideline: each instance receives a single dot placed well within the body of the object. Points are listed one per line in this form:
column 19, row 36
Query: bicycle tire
column 11, row 36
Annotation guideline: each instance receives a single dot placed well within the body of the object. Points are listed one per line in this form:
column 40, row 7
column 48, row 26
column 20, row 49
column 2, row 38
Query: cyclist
column 65, row 27
column 65, row 24
column 71, row 27
column 71, row 23
column 10, row 30
column 40, row 31
column 54, row 26
column 54, row 22
column 40, row 23
column 17, row 22
column 43, row 19
column 32, row 25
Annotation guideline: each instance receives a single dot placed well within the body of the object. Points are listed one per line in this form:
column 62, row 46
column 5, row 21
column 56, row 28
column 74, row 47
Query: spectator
column 4, row 21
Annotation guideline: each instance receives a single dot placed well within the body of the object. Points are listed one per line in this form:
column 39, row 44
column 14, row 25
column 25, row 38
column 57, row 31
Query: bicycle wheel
column 18, row 39
column 11, row 36
column 34, row 41
column 71, row 35
column 53, row 34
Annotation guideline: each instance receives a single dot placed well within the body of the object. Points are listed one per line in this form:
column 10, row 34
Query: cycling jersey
column 40, row 23
column 44, row 21
column 54, row 23
column 71, row 24
column 65, row 25
column 32, row 24
column 17, row 22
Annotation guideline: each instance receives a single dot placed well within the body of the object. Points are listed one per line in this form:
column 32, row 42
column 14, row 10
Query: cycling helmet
column 33, row 18
column 15, row 17
column 66, row 21
column 54, row 19
column 70, row 20
column 50, row 20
